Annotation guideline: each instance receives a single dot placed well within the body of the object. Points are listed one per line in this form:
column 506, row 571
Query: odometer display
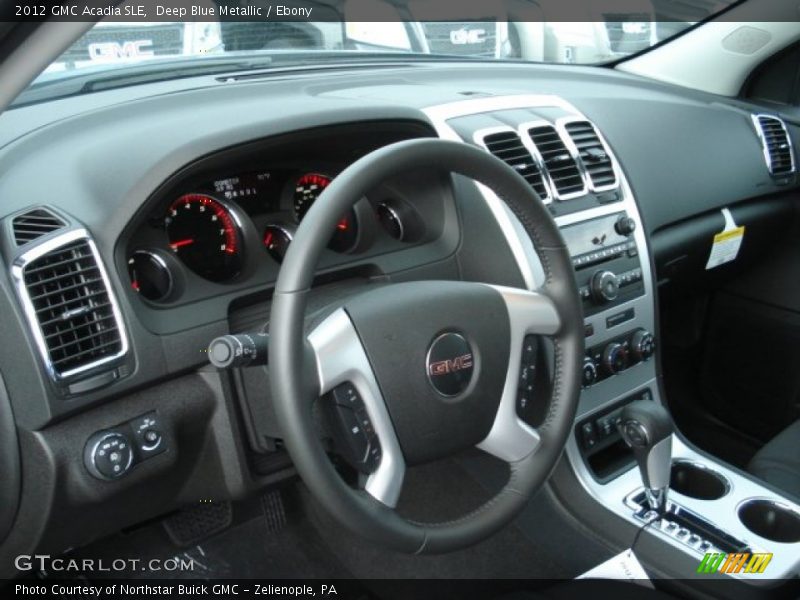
column 204, row 234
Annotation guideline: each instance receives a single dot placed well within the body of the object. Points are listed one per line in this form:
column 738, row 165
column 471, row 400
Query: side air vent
column 34, row 224
column 776, row 143
column 594, row 154
column 72, row 311
column 558, row 161
column 508, row 147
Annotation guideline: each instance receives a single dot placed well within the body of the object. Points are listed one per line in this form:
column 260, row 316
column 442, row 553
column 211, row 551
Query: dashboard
column 182, row 230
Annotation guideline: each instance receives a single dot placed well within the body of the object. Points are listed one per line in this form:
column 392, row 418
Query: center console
column 710, row 509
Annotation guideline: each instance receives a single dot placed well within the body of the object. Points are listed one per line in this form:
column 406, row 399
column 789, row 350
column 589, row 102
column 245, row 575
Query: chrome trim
column 340, row 357
column 562, row 124
column 573, row 152
column 387, row 206
column 479, row 137
column 756, row 117
column 18, row 275
column 670, row 509
column 659, row 464
column 510, row 438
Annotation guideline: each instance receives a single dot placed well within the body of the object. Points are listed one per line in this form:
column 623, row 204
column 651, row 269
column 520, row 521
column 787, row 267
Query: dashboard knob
column 589, row 371
column 625, row 226
column 604, row 286
column 642, row 344
column 108, row 455
column 615, row 358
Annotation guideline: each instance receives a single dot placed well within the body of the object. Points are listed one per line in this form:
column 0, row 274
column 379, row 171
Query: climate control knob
column 589, row 371
column 615, row 358
column 642, row 344
column 604, row 286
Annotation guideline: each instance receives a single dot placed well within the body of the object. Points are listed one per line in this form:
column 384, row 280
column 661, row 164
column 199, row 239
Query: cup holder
column 771, row 520
column 697, row 481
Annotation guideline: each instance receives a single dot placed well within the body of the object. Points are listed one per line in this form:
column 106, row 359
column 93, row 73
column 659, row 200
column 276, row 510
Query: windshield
column 203, row 35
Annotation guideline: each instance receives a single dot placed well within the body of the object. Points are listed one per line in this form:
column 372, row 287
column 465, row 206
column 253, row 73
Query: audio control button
column 625, row 226
column 604, row 287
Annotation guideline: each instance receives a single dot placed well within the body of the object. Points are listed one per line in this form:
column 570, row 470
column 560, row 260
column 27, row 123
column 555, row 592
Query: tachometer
column 205, row 235
column 306, row 190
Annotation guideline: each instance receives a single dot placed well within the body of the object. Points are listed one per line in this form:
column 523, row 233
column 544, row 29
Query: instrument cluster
column 203, row 229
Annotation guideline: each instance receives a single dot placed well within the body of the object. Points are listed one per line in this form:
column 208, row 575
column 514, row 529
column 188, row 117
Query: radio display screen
column 593, row 235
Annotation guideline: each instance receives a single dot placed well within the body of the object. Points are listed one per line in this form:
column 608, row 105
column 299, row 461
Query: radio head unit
column 606, row 261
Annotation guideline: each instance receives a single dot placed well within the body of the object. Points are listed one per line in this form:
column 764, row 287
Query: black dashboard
column 187, row 194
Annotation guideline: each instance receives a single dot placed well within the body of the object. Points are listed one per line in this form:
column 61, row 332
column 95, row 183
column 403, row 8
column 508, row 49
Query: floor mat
column 260, row 544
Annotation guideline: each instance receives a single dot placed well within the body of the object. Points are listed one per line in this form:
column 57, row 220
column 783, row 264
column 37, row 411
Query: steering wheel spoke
column 341, row 359
column 510, row 438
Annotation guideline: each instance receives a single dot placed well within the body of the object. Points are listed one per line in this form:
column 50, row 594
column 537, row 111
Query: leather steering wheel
column 436, row 363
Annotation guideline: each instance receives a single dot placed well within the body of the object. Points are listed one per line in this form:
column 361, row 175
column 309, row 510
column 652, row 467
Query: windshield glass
column 409, row 29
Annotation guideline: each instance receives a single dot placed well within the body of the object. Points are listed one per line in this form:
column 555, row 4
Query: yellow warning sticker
column 726, row 246
column 727, row 235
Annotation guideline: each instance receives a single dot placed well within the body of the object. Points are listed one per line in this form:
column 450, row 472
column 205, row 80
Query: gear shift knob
column 647, row 428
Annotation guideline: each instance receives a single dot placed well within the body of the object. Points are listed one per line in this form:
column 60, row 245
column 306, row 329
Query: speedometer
column 306, row 190
column 205, row 235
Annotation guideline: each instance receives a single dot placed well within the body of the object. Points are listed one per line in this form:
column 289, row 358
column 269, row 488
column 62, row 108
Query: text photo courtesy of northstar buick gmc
column 411, row 298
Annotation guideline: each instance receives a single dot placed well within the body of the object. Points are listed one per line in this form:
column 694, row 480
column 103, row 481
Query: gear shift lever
column 647, row 428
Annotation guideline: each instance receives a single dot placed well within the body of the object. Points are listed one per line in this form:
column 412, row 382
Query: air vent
column 65, row 292
column 558, row 161
column 777, row 144
column 594, row 154
column 508, row 147
column 34, row 224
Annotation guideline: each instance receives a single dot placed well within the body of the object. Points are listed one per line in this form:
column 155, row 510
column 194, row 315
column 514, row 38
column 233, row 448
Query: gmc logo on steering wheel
column 443, row 367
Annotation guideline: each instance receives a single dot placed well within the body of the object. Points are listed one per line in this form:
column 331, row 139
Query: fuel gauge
column 276, row 240
column 150, row 275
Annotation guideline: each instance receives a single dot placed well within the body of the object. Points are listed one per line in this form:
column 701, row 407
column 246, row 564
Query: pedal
column 191, row 525
column 274, row 513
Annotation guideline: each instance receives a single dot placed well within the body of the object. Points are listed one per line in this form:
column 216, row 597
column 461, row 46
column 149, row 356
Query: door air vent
column 34, row 224
column 594, row 155
column 776, row 144
column 73, row 314
column 508, row 147
column 559, row 163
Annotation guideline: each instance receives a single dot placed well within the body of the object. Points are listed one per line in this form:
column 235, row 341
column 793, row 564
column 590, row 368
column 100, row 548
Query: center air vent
column 594, row 155
column 508, row 147
column 34, row 224
column 558, row 161
column 776, row 143
column 74, row 315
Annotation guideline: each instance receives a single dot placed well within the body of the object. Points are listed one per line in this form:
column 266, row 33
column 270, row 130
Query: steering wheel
column 435, row 364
